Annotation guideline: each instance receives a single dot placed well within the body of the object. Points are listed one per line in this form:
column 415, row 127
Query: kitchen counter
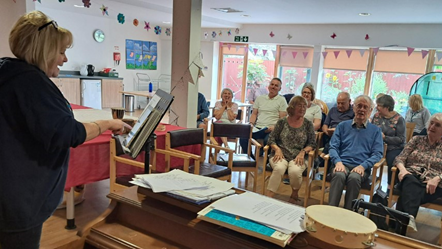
column 76, row 75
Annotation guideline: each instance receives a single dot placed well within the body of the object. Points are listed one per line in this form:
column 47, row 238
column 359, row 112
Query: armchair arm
column 181, row 155
column 217, row 149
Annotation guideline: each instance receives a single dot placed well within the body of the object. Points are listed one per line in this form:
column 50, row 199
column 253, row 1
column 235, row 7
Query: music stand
column 401, row 219
column 142, row 135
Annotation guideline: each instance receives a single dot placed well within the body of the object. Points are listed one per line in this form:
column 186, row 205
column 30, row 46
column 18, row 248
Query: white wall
column 87, row 51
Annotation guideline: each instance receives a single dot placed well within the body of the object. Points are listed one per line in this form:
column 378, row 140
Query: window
column 294, row 68
column 261, row 65
column 344, row 70
column 437, row 63
column 233, row 57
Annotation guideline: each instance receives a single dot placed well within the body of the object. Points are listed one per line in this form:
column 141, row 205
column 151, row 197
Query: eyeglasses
column 54, row 23
column 361, row 106
column 308, row 93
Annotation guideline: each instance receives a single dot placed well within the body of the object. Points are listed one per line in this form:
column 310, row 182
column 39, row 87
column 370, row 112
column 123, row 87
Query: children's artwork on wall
column 141, row 55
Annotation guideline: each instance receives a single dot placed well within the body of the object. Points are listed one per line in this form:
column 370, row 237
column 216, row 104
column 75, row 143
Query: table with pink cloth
column 89, row 162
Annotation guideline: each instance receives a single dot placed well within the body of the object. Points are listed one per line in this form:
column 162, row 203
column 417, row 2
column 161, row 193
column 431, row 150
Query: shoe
column 286, row 181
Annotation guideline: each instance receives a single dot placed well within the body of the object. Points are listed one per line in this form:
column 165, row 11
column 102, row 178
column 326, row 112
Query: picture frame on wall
column 141, row 55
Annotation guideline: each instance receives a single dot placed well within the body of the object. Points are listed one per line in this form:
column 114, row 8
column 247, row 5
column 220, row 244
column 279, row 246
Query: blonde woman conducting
column 291, row 141
column 225, row 110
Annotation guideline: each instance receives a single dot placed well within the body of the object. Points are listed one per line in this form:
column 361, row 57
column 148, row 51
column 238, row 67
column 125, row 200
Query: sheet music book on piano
column 147, row 122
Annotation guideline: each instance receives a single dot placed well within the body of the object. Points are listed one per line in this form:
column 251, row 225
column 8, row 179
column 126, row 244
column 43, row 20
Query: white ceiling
column 290, row 11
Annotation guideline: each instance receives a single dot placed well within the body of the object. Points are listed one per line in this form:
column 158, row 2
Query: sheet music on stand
column 147, row 122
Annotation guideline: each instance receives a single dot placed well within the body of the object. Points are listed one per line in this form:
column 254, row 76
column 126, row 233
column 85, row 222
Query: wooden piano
column 138, row 218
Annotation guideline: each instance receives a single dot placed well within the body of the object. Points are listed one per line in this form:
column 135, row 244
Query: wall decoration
column 168, row 32
column 146, row 26
column 141, row 55
column 367, row 37
column 289, row 36
column 237, row 31
column 117, row 58
column 410, row 50
column 333, row 36
column 120, row 18
column 135, row 22
column 229, row 33
column 58, row 1
column 157, row 30
column 86, row 3
column 220, row 33
column 206, row 35
column 271, row 34
column 213, row 34
column 104, row 10
column 38, row 1
column 424, row 53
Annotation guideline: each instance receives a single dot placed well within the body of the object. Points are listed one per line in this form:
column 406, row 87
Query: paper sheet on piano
column 283, row 216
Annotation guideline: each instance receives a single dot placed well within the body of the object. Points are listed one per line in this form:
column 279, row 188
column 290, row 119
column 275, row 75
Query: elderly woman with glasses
column 392, row 125
column 291, row 141
column 313, row 113
column 39, row 127
column 225, row 110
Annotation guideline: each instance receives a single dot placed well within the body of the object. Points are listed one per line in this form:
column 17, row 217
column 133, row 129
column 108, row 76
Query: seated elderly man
column 342, row 112
column 355, row 147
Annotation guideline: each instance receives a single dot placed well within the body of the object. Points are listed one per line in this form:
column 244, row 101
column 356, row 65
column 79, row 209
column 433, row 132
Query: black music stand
column 401, row 219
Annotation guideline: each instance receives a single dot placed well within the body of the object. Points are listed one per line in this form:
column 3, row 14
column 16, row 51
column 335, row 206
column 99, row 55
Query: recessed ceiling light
column 166, row 22
column 245, row 16
column 364, row 14
column 227, row 10
column 79, row 6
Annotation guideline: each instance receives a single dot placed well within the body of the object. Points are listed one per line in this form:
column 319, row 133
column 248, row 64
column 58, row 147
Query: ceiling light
column 79, row 6
column 227, row 10
column 166, row 22
column 364, row 14
column 245, row 16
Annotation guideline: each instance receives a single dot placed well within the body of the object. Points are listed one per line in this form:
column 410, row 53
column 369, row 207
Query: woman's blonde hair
column 37, row 44
column 293, row 102
column 415, row 102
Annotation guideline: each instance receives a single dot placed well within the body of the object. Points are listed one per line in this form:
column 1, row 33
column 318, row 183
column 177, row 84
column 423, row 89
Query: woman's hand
column 403, row 173
column 299, row 159
column 432, row 185
column 118, row 127
column 278, row 155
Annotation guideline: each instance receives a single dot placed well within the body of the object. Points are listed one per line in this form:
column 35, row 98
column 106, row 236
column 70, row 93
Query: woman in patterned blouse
column 392, row 125
column 291, row 140
column 420, row 168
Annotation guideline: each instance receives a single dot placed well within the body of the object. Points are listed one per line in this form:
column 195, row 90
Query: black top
column 37, row 129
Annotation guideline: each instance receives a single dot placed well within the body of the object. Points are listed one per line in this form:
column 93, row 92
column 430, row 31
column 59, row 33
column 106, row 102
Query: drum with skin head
column 339, row 226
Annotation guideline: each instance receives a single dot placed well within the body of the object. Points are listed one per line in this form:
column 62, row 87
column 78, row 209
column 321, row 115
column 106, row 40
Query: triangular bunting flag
column 336, row 54
column 349, row 51
column 375, row 51
column 294, row 54
column 283, row 53
column 264, row 52
column 237, row 48
column 229, row 46
column 305, row 54
column 424, row 53
column 200, row 73
column 324, row 54
column 274, row 53
column 362, row 51
column 255, row 50
column 410, row 50
column 439, row 55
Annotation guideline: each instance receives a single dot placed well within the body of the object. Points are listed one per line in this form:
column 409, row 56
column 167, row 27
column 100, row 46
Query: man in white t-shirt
column 267, row 110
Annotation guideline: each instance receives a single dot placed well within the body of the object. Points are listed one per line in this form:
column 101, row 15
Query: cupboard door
column 111, row 95
column 70, row 87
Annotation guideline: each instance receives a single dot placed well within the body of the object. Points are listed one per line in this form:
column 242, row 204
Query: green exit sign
column 241, row 39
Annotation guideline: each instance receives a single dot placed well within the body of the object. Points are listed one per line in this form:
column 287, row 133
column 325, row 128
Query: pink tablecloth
column 89, row 162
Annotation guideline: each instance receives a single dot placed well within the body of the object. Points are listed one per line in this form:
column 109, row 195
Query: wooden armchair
column 241, row 162
column 186, row 137
column 122, row 182
column 307, row 176
column 367, row 188
column 394, row 195
column 409, row 128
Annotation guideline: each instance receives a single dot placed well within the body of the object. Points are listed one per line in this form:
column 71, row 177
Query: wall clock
column 99, row 35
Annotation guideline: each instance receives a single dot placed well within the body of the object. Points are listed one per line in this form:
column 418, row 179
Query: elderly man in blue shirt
column 355, row 147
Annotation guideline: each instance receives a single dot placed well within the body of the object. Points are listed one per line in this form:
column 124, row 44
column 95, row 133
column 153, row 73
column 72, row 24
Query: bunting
column 229, row 46
column 264, row 52
column 274, row 53
column 361, row 52
column 439, row 55
column 294, row 54
column 324, row 54
column 410, row 50
column 424, row 53
column 349, row 51
column 375, row 51
column 305, row 54
column 255, row 50
column 336, row 54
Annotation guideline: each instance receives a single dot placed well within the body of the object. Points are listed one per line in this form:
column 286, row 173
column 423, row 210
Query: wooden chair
column 394, row 195
column 409, row 130
column 368, row 187
column 122, row 182
column 241, row 162
column 197, row 136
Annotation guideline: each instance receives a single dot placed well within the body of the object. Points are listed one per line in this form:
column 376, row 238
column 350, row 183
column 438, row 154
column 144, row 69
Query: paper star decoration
column 157, row 30
column 146, row 26
column 333, row 36
column 289, row 36
column 38, row 1
column 271, row 34
column 58, row 1
column 213, row 34
column 120, row 18
column 168, row 32
column 135, row 22
column 104, row 10
column 86, row 3
column 206, row 35
column 237, row 31
column 367, row 37
column 229, row 33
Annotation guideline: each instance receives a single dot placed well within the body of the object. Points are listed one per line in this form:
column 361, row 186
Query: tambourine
column 339, row 226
